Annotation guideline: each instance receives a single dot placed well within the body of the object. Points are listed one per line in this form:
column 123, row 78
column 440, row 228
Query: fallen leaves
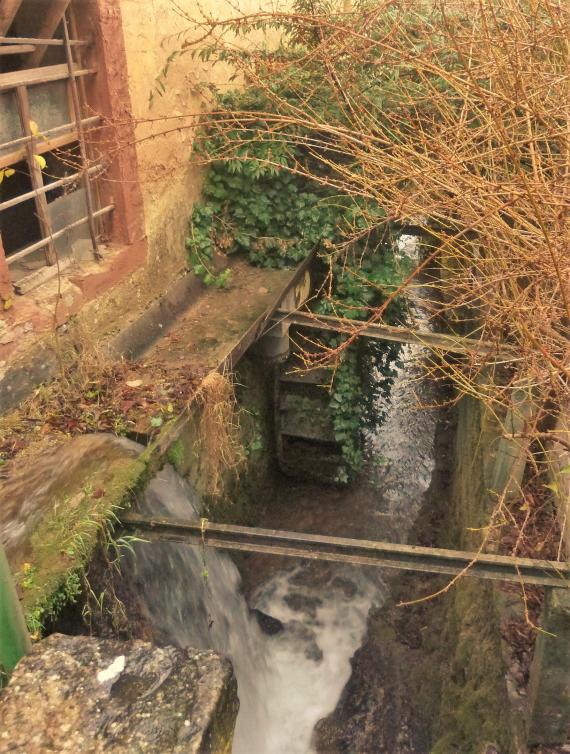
column 111, row 398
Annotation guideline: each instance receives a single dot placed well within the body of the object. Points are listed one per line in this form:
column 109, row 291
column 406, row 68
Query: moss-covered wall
column 474, row 708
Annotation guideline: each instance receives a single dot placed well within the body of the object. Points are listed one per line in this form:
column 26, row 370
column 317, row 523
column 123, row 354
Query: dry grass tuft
column 219, row 439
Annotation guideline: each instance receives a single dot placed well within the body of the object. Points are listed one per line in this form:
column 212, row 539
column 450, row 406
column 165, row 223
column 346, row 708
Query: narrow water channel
column 289, row 680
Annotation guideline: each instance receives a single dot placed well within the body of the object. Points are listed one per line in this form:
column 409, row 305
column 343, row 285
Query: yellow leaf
column 9, row 172
column 40, row 160
column 26, row 567
column 34, row 128
column 170, row 408
column 1, row 176
column 8, row 303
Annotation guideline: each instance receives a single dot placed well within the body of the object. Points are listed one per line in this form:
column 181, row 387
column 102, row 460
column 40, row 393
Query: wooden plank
column 41, row 147
column 16, row 49
column 50, row 187
column 52, row 17
column 44, row 75
column 5, row 279
column 35, row 41
column 357, row 551
column 36, row 176
column 50, row 140
column 437, row 341
column 8, row 10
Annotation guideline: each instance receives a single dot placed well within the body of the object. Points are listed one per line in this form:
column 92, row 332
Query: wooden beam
column 35, row 41
column 57, row 234
column 8, row 10
column 53, row 138
column 357, row 551
column 53, row 13
column 5, row 279
column 36, row 176
column 437, row 341
column 74, row 178
column 16, row 49
column 30, row 76
column 41, row 147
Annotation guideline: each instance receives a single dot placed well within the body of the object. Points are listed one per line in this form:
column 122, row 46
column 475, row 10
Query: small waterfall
column 191, row 596
column 288, row 681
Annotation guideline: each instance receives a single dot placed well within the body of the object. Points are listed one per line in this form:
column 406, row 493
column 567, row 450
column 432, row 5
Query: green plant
column 175, row 454
column 256, row 202
column 51, row 606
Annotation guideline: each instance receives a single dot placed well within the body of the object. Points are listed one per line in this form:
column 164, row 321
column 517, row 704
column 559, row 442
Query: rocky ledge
column 93, row 695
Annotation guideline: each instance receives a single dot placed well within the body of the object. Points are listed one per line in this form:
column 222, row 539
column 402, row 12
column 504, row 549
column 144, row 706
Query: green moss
column 474, row 707
column 64, row 541
column 175, row 454
column 246, row 497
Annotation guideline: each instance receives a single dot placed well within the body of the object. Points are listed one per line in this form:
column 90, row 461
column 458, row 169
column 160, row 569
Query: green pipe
column 14, row 639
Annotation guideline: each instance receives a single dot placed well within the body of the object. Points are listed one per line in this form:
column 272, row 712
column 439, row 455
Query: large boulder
column 82, row 694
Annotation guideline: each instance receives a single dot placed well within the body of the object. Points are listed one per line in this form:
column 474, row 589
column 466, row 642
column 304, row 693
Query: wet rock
column 304, row 603
column 35, row 486
column 377, row 712
column 92, row 695
column 314, row 652
column 304, row 635
column 267, row 623
column 347, row 587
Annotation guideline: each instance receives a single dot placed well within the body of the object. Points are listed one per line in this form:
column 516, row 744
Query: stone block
column 83, row 694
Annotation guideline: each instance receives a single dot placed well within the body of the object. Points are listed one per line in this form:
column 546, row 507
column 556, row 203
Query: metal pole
column 356, row 551
column 14, row 639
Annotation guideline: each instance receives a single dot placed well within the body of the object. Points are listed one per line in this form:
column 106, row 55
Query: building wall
column 151, row 179
column 169, row 182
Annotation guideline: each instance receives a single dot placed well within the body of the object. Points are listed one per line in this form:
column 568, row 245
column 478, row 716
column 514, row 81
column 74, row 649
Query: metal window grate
column 42, row 113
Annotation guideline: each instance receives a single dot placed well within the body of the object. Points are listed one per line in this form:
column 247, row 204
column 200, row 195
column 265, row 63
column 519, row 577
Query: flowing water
column 192, row 595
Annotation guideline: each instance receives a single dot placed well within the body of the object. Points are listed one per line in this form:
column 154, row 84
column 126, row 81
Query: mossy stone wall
column 474, row 708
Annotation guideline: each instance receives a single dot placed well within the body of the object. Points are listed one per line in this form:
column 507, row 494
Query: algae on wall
column 474, row 708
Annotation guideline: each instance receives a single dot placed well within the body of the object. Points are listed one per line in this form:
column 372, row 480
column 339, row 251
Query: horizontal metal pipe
column 54, row 236
column 356, row 551
column 48, row 187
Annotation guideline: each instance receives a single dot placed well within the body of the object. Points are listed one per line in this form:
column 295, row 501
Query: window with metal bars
column 49, row 206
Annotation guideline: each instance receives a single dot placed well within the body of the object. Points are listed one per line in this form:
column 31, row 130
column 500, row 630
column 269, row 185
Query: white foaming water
column 287, row 682
column 191, row 596
column 309, row 661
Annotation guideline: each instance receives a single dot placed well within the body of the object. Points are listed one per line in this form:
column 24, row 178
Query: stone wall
column 474, row 708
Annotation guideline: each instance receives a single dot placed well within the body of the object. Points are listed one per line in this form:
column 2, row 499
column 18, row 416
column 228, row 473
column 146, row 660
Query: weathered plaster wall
column 169, row 182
